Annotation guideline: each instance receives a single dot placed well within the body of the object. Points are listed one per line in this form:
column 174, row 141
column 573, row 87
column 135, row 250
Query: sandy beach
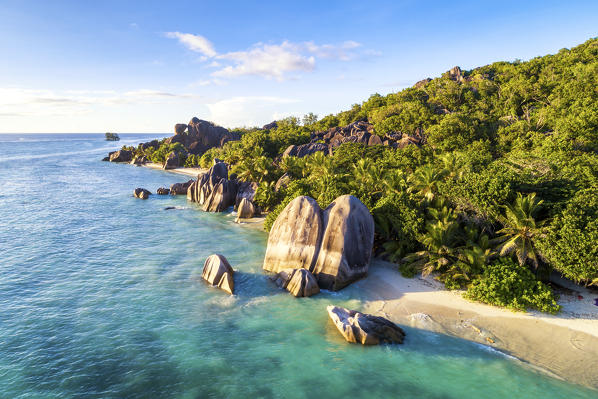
column 564, row 345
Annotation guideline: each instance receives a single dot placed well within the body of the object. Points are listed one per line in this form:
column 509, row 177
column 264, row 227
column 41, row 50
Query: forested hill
column 496, row 180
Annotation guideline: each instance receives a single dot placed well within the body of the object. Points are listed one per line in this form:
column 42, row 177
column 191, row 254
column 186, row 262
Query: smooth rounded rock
column 295, row 236
column 219, row 273
column 363, row 328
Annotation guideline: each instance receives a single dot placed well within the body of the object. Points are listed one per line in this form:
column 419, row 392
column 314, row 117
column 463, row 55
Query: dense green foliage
column 507, row 168
column 506, row 283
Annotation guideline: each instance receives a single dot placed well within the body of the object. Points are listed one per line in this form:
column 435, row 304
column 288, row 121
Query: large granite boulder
column 222, row 196
column 363, row 328
column 141, row 193
column 282, row 182
column 213, row 189
column 295, row 237
column 121, row 156
column 346, row 246
column 246, row 209
column 180, row 188
column 180, row 128
column 303, row 150
column 208, row 133
column 218, row 272
column 299, row 282
column 334, row 244
column 246, row 191
column 139, row 160
column 163, row 191
column 172, row 161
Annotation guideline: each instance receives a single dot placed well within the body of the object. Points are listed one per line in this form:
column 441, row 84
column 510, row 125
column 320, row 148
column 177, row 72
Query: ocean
column 101, row 297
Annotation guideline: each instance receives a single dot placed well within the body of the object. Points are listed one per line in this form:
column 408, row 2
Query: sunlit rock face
column 334, row 244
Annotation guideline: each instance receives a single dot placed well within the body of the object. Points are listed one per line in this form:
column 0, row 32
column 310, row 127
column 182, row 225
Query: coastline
column 564, row 345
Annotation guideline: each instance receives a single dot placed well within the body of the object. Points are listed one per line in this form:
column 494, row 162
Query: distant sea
column 101, row 297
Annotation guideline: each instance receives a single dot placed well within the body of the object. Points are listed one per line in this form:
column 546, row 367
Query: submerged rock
column 335, row 245
column 363, row 328
column 141, row 193
column 218, row 272
column 299, row 282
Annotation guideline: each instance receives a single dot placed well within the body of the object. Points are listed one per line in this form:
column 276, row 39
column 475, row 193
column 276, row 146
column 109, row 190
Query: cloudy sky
column 125, row 66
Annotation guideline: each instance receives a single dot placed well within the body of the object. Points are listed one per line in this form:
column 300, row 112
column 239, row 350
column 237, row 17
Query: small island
column 112, row 137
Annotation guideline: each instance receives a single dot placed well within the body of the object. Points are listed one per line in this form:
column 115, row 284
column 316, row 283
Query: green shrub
column 506, row 283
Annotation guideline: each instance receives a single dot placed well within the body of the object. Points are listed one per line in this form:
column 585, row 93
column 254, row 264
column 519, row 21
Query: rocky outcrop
column 282, row 182
column 246, row 191
column 121, row 156
column 346, row 246
column 303, row 150
column 363, row 328
column 172, row 161
column 299, row 282
column 246, row 210
column 334, row 244
column 271, row 125
column 139, row 160
column 295, row 237
column 180, row 188
column 163, row 191
column 208, row 134
column 180, row 128
column 219, row 273
column 213, row 189
column 141, row 193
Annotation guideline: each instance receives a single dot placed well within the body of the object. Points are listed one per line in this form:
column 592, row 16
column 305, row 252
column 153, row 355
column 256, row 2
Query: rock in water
column 121, row 156
column 347, row 243
column 299, row 282
column 295, row 236
column 335, row 244
column 163, row 191
column 246, row 209
column 218, row 272
column 141, row 193
column 180, row 188
column 364, row 328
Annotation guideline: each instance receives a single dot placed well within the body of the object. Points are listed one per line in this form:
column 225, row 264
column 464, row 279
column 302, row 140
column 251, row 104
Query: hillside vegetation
column 503, row 179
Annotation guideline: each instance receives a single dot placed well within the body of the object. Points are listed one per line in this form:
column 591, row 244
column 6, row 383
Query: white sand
column 193, row 172
column 565, row 345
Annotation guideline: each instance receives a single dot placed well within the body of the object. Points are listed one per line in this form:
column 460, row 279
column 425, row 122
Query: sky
column 142, row 66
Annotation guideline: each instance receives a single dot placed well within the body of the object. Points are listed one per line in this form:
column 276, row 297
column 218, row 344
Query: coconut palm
column 441, row 250
column 520, row 229
column 424, row 182
column 369, row 178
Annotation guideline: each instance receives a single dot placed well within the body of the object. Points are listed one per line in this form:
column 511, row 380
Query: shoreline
column 564, row 345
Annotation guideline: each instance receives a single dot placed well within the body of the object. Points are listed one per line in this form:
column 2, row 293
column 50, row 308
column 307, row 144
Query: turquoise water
column 101, row 297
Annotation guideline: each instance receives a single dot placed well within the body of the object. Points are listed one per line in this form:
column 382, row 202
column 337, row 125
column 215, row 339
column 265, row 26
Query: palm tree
column 424, row 182
column 440, row 243
column 394, row 181
column 520, row 229
column 368, row 176
column 451, row 167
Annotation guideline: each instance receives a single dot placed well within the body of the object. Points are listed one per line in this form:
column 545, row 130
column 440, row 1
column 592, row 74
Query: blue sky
column 126, row 66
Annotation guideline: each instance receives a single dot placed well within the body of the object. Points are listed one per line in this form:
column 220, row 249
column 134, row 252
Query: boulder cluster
column 216, row 192
column 356, row 132
column 198, row 136
column 334, row 244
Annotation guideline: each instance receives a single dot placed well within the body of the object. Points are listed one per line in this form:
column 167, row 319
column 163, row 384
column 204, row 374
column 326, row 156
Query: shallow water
column 100, row 296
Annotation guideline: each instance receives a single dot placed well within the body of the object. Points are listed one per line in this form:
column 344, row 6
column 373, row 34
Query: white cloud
column 39, row 102
column 268, row 60
column 247, row 110
column 195, row 43
column 272, row 61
